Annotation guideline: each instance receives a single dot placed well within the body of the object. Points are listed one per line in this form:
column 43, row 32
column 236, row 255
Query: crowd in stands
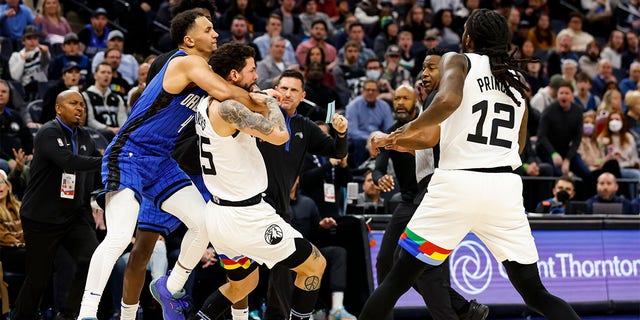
column 584, row 102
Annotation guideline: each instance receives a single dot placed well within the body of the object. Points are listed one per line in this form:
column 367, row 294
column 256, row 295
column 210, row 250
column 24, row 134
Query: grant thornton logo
column 471, row 267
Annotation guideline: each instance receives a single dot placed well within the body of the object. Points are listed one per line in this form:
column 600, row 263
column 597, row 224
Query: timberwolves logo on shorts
column 273, row 235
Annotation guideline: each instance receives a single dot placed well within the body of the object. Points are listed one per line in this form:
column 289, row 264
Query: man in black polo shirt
column 283, row 166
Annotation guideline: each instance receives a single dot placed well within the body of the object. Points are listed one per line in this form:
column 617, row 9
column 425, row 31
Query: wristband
column 525, row 166
column 553, row 154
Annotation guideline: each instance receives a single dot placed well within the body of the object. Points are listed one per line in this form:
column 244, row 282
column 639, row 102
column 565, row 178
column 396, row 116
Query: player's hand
column 260, row 105
column 378, row 139
column 275, row 94
column 339, row 123
column 386, row 183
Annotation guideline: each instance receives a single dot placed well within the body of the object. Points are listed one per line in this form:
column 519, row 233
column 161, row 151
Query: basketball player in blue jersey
column 479, row 117
column 137, row 164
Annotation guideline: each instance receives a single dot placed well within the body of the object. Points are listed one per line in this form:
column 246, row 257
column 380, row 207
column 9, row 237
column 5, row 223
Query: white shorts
column 487, row 204
column 254, row 232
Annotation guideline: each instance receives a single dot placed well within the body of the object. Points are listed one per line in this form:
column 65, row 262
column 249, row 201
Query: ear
column 188, row 41
column 58, row 108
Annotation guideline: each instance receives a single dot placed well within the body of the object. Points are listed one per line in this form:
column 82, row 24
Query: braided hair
column 491, row 37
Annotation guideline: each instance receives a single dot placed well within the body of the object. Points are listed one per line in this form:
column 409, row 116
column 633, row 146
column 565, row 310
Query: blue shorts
column 152, row 218
column 154, row 178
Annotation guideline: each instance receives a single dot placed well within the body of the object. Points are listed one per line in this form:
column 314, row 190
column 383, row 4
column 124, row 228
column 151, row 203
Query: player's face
column 203, row 35
column 247, row 77
column 71, row 110
column 431, row 72
column 292, row 93
column 404, row 104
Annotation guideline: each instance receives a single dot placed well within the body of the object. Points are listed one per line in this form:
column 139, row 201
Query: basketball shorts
column 460, row 201
column 253, row 233
column 152, row 218
column 154, row 178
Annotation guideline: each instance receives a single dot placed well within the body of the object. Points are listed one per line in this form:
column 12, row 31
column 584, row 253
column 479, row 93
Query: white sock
column 240, row 314
column 89, row 305
column 337, row 299
column 177, row 278
column 128, row 311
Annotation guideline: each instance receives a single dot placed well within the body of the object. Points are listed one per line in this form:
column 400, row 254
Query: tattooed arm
column 271, row 128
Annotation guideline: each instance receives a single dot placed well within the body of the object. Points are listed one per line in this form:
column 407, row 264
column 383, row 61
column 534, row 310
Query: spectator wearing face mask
column 619, row 143
column 563, row 191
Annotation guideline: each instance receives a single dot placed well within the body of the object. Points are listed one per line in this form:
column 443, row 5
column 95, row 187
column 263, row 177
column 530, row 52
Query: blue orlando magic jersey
column 157, row 119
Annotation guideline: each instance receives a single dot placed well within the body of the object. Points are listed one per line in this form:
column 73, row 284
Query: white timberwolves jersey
column 232, row 167
column 483, row 131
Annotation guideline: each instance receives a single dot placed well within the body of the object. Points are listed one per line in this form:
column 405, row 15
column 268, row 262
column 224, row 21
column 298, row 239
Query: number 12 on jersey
column 496, row 124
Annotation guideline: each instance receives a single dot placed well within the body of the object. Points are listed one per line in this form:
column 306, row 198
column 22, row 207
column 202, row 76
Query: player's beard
column 248, row 87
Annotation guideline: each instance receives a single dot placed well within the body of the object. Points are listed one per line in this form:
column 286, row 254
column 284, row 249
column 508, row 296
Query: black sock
column 403, row 274
column 215, row 306
column 302, row 303
column 526, row 280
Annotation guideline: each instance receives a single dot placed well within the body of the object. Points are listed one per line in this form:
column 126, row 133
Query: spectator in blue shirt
column 366, row 114
column 14, row 17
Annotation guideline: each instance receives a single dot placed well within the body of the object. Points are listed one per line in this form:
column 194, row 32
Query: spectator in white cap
column 128, row 64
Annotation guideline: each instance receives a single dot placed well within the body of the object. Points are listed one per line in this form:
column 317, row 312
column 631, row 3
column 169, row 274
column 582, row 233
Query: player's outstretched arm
column 194, row 69
column 425, row 138
column 271, row 128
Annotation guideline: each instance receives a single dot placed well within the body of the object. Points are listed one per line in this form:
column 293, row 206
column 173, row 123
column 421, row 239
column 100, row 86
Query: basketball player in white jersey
column 244, row 229
column 479, row 116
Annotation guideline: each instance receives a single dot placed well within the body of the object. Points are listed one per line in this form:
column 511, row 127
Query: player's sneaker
column 173, row 306
column 340, row 314
column 477, row 311
column 254, row 315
